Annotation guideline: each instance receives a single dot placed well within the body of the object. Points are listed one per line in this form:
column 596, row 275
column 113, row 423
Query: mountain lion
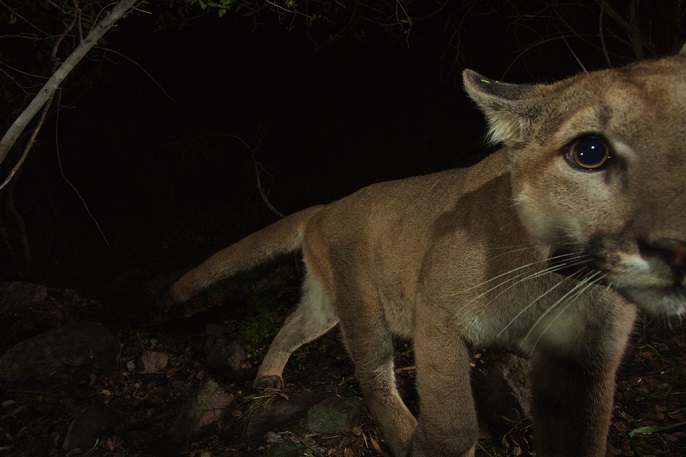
column 550, row 243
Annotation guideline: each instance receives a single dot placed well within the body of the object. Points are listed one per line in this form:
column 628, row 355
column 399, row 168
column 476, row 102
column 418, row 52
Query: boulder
column 72, row 345
column 276, row 411
column 18, row 296
column 203, row 407
column 89, row 426
column 335, row 415
column 502, row 390
column 152, row 362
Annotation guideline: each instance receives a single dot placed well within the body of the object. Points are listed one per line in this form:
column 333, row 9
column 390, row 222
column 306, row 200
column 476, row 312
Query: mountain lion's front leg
column 572, row 405
column 370, row 345
column 447, row 420
column 573, row 397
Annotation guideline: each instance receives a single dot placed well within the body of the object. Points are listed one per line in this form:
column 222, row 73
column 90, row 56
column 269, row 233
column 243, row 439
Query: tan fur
column 475, row 256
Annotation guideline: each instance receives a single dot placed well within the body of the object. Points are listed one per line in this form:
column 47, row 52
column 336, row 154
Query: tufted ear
column 510, row 109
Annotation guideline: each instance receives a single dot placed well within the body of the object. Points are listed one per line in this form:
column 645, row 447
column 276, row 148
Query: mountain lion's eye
column 588, row 153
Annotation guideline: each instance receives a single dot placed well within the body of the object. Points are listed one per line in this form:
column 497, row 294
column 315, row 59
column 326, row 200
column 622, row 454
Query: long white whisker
column 571, row 256
column 524, row 277
column 578, row 290
column 551, row 308
column 537, row 299
column 527, row 307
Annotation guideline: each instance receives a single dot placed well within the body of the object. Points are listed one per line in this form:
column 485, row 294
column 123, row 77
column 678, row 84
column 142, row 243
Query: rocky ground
column 111, row 382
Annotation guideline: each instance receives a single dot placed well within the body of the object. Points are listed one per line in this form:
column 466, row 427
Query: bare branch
column 601, row 34
column 140, row 67
column 259, row 169
column 73, row 187
column 632, row 26
column 29, row 144
column 260, row 188
column 48, row 90
column 635, row 30
column 614, row 15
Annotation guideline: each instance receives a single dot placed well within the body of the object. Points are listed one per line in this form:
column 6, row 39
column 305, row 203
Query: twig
column 601, row 34
column 76, row 191
column 29, row 145
column 140, row 67
column 632, row 25
column 48, row 90
column 258, row 175
column 46, row 108
column 258, row 169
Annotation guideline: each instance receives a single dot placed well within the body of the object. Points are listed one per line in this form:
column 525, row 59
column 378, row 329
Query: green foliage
column 252, row 304
column 266, row 302
column 651, row 429
column 510, row 440
column 39, row 36
column 678, row 381
column 325, row 21
column 221, row 6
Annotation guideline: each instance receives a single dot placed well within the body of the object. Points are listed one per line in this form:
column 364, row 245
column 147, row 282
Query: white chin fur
column 665, row 302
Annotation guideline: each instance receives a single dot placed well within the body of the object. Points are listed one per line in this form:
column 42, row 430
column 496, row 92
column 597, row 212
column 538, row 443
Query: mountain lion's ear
column 682, row 53
column 510, row 109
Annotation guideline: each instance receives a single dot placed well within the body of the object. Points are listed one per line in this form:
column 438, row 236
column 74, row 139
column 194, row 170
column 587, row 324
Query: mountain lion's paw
column 268, row 382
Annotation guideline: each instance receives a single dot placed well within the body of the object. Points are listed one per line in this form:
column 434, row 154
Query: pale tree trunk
column 48, row 90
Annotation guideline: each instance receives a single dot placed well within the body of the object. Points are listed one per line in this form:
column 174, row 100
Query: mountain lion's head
column 608, row 190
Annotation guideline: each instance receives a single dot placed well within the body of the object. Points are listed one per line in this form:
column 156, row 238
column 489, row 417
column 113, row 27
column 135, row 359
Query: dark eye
column 588, row 153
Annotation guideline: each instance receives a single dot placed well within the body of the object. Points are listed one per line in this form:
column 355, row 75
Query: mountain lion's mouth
column 581, row 265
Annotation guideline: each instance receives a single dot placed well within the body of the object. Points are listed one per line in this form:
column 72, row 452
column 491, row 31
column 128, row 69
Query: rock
column 72, row 345
column 273, row 438
column 89, row 426
column 335, row 415
column 152, row 362
column 27, row 310
column 278, row 412
column 203, row 407
column 214, row 330
column 18, row 296
column 286, row 448
column 222, row 352
column 501, row 388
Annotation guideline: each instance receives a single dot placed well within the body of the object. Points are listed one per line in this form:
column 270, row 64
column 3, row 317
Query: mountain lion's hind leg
column 313, row 317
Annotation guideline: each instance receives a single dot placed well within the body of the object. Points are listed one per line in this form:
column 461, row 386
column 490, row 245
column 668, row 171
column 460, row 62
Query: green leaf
column 650, row 429
column 655, row 428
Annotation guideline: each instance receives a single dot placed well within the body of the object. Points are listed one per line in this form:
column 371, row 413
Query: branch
column 632, row 26
column 258, row 172
column 257, row 166
column 25, row 154
column 48, row 90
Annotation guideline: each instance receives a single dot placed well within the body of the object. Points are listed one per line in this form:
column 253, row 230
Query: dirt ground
column 648, row 418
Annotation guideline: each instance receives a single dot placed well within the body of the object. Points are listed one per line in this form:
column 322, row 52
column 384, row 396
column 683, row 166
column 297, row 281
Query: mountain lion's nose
column 671, row 250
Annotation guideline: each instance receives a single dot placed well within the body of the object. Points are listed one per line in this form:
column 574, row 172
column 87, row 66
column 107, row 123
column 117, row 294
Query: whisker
column 552, row 307
column 572, row 256
column 524, row 277
column 527, row 307
column 537, row 299
column 578, row 290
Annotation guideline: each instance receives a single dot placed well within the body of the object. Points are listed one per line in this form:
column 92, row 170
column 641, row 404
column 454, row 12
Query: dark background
column 157, row 161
